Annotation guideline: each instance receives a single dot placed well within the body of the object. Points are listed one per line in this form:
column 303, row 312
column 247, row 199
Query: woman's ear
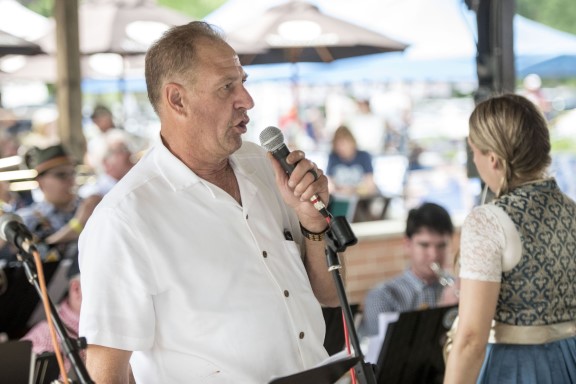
column 495, row 161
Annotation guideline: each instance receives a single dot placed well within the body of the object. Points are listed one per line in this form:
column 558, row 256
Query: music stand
column 46, row 369
column 20, row 299
column 412, row 349
column 334, row 341
column 17, row 362
column 323, row 374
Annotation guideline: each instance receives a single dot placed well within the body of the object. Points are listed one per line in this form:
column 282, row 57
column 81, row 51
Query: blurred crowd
column 57, row 189
column 56, row 200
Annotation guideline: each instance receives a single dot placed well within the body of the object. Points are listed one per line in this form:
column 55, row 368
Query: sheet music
column 375, row 342
column 335, row 357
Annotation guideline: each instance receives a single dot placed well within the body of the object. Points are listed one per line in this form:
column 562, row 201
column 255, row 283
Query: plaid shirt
column 401, row 294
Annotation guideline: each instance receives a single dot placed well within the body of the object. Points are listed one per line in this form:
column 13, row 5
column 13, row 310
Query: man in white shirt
column 205, row 263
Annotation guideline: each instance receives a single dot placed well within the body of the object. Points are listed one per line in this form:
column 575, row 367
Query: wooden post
column 69, row 94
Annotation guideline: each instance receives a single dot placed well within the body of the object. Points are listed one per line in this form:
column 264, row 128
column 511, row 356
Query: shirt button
column 246, row 217
column 301, row 335
column 265, row 254
column 286, row 293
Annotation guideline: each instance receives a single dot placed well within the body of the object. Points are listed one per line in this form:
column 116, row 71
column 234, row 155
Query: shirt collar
column 172, row 169
column 178, row 175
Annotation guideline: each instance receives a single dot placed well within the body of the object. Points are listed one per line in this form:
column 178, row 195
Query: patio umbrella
column 297, row 31
column 125, row 27
column 10, row 44
column 96, row 67
column 114, row 36
column 20, row 21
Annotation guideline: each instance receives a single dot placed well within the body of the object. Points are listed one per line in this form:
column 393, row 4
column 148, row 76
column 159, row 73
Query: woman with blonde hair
column 517, row 312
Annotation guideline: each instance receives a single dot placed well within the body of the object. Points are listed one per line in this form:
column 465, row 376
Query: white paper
column 375, row 342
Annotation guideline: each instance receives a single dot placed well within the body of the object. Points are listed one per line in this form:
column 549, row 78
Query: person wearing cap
column 60, row 206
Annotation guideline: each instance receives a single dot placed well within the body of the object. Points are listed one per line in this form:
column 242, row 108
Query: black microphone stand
column 70, row 346
column 339, row 237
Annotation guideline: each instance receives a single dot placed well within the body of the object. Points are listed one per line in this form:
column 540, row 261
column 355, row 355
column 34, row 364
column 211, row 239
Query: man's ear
column 175, row 97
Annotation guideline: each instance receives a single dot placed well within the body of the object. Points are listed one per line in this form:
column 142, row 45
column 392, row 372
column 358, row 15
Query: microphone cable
column 44, row 292
column 348, row 348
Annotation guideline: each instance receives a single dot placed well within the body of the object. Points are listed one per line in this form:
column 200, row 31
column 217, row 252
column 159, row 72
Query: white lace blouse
column 489, row 244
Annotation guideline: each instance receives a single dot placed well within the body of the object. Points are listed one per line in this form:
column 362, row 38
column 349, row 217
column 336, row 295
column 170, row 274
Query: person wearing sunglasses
column 59, row 208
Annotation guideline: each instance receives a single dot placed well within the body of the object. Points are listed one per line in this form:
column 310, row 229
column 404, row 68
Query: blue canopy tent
column 559, row 67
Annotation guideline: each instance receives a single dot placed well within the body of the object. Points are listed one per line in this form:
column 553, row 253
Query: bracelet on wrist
column 314, row 236
column 75, row 225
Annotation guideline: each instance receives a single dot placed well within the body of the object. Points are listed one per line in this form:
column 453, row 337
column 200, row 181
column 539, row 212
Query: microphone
column 15, row 232
column 272, row 139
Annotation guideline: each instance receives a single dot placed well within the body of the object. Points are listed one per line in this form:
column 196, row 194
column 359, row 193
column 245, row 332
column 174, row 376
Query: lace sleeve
column 481, row 246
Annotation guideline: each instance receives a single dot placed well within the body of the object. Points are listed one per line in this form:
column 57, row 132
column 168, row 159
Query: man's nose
column 434, row 253
column 245, row 100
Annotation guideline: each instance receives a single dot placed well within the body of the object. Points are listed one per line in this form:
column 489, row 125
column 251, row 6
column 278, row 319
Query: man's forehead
column 218, row 52
column 429, row 235
column 226, row 59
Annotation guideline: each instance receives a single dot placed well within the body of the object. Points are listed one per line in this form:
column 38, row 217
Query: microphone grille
column 271, row 138
column 5, row 219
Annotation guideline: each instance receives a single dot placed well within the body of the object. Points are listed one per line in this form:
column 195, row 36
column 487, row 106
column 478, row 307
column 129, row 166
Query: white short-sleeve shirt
column 489, row 244
column 202, row 289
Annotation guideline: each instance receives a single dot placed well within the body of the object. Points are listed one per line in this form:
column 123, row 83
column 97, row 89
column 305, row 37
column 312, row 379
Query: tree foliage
column 559, row 14
column 196, row 9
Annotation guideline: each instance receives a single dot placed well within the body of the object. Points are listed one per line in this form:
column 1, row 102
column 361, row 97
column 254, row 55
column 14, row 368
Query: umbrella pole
column 295, row 91
column 122, row 91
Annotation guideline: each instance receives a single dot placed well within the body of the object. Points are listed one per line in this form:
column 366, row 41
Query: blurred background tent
column 441, row 35
column 296, row 31
column 19, row 21
column 115, row 34
column 124, row 27
column 10, row 44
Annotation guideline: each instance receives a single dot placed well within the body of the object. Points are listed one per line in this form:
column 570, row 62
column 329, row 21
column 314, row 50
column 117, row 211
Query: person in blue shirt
column 351, row 177
column 349, row 169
